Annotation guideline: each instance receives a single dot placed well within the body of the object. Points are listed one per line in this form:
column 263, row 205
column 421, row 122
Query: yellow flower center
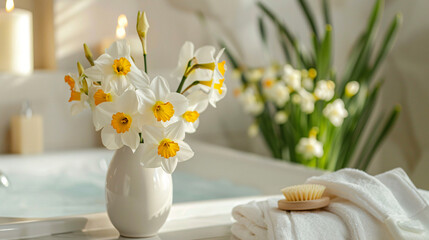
column 163, row 111
column 167, row 148
column 74, row 96
column 268, row 83
column 121, row 66
column 121, row 122
column 191, row 116
column 100, row 97
column 70, row 81
column 312, row 73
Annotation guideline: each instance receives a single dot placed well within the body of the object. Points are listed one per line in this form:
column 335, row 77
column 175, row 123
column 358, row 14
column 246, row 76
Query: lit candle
column 135, row 44
column 16, row 40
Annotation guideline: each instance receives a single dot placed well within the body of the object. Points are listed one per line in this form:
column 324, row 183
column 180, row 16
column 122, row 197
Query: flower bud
column 280, row 117
column 142, row 28
column 352, row 88
column 88, row 54
column 80, row 68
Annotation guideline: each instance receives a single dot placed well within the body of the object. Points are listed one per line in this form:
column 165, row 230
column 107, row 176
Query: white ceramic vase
column 138, row 199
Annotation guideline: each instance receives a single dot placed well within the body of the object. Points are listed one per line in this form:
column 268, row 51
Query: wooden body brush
column 303, row 197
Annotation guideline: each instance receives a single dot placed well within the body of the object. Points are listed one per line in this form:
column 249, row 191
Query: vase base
column 138, row 236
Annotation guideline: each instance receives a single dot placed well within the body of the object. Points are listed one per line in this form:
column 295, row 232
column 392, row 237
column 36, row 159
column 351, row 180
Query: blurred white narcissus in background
column 335, row 112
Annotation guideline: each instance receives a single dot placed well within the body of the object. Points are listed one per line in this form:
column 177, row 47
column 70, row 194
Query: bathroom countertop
column 199, row 220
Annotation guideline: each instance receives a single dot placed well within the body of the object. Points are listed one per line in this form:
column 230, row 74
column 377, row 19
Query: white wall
column 91, row 21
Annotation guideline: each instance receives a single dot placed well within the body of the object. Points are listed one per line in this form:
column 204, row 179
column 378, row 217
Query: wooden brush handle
column 303, row 205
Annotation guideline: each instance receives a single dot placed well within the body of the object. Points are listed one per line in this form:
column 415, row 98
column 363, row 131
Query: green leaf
column 358, row 122
column 361, row 62
column 262, row 31
column 383, row 134
column 283, row 29
column 309, row 15
column 326, row 12
column 387, row 44
column 324, row 55
column 285, row 49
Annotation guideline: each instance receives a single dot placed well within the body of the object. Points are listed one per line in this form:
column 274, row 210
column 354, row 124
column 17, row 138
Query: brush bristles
column 303, row 192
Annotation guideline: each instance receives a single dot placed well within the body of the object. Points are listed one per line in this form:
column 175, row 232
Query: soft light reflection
column 120, row 29
column 9, row 5
column 120, row 32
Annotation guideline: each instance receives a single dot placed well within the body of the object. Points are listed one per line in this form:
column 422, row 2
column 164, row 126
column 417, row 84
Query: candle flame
column 120, row 29
column 122, row 20
column 9, row 5
column 120, row 32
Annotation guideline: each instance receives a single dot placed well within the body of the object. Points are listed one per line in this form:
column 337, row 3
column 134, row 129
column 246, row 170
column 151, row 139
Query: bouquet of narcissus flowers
column 131, row 109
column 305, row 111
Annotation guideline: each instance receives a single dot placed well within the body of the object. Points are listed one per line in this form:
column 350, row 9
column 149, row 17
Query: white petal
column 186, row 53
column 175, row 131
column 169, row 164
column 100, row 118
column 146, row 99
column 138, row 78
column 118, row 49
column 205, row 54
column 185, row 152
column 77, row 108
column 137, row 123
column 94, row 74
column 152, row 134
column 198, row 101
column 149, row 156
column 188, row 126
column 219, row 54
column 128, row 102
column 160, row 87
column 131, row 139
column 111, row 140
column 180, row 103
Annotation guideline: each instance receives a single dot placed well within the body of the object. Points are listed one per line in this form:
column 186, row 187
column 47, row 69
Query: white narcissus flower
column 352, row 88
column 202, row 55
column 115, row 71
column 280, row 117
column 310, row 147
column 335, row 112
column 159, row 105
column 325, row 90
column 164, row 147
column 120, row 122
column 215, row 87
column 250, row 102
column 308, row 84
column 292, row 78
column 276, row 92
column 77, row 94
column 197, row 104
column 307, row 101
column 254, row 75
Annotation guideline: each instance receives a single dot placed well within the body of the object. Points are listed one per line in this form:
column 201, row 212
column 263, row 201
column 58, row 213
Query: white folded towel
column 387, row 206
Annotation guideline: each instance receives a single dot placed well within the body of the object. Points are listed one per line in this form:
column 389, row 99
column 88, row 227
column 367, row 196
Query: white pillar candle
column 16, row 40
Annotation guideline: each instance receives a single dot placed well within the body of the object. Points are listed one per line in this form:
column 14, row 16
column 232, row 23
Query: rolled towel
column 390, row 197
column 263, row 220
column 387, row 206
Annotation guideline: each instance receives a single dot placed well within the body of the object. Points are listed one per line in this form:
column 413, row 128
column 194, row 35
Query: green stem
column 179, row 89
column 190, row 86
column 145, row 64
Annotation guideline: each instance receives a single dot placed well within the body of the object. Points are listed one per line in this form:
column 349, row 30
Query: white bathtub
column 63, row 191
